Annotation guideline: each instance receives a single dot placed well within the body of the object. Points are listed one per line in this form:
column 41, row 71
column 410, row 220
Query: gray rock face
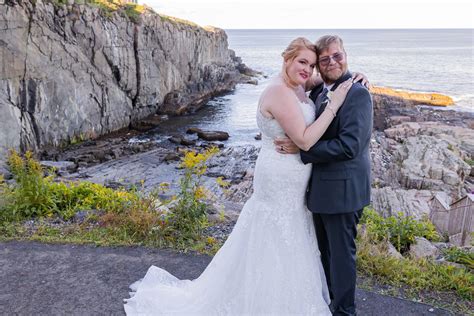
column 68, row 73
column 428, row 163
column 413, row 161
column 431, row 156
column 389, row 201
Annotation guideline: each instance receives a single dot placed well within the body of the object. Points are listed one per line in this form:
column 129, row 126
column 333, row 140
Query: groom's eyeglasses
column 337, row 57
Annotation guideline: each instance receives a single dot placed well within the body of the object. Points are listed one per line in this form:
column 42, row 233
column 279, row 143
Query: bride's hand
column 284, row 145
column 357, row 76
column 339, row 95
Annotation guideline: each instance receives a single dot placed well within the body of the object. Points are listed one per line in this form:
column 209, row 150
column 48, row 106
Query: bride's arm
column 285, row 109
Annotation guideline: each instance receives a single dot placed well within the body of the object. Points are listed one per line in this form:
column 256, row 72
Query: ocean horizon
column 418, row 60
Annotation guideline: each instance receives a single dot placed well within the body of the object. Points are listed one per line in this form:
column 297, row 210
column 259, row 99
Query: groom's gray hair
column 324, row 41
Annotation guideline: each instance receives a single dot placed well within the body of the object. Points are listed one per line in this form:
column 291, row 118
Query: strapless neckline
column 309, row 103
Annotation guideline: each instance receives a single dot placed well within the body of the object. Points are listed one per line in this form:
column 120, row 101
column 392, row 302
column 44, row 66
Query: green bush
column 188, row 218
column 31, row 194
column 400, row 230
column 36, row 195
column 125, row 215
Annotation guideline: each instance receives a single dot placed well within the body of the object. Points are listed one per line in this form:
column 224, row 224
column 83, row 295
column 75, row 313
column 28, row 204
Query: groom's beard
column 331, row 76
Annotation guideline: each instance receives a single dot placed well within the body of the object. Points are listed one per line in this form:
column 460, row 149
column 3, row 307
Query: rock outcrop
column 424, row 98
column 390, row 111
column 68, row 72
column 419, row 152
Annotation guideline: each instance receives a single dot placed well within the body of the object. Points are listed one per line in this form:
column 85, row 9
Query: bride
column 270, row 263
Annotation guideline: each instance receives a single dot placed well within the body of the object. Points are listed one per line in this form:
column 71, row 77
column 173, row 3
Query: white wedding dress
column 270, row 263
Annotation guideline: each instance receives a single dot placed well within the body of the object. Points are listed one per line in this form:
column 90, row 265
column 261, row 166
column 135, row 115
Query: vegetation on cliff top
column 108, row 7
column 132, row 10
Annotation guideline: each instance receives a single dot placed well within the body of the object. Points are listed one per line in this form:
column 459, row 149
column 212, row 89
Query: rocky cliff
column 68, row 71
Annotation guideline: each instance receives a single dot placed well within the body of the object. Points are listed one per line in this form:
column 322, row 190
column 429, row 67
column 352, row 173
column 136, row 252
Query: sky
column 318, row 14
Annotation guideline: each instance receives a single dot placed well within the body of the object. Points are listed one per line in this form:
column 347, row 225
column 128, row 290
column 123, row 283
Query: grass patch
column 176, row 21
column 421, row 274
column 109, row 7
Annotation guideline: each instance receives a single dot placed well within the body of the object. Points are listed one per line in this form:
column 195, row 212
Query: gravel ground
column 56, row 279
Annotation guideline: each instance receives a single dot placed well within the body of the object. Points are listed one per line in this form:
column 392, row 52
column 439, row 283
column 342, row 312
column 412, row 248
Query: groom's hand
column 285, row 145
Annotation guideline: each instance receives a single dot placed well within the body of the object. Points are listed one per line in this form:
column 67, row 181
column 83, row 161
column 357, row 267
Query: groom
column 340, row 183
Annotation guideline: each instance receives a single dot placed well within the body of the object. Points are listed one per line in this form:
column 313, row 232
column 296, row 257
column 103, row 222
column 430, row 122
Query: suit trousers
column 336, row 235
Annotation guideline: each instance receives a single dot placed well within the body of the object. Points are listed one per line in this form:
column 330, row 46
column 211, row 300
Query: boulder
column 180, row 140
column 188, row 142
column 422, row 248
column 213, row 135
column 193, row 130
column 171, row 157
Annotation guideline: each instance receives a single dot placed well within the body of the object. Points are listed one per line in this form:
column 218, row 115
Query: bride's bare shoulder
column 276, row 89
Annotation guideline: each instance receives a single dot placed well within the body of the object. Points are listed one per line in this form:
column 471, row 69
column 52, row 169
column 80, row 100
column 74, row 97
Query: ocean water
column 439, row 60
column 416, row 60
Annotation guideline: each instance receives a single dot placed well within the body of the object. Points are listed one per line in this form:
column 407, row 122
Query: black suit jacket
column 340, row 181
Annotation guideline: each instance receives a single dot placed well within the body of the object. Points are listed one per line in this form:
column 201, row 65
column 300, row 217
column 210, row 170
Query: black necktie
column 324, row 100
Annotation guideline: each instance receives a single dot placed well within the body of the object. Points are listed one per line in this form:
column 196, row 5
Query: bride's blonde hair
column 291, row 52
